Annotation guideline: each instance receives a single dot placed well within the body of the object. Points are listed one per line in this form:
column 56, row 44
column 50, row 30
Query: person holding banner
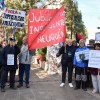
column 9, row 56
column 25, row 58
column 95, row 74
column 67, row 52
column 81, row 63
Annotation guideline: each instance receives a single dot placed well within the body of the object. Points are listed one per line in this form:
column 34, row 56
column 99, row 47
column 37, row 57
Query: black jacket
column 67, row 54
column 1, row 60
column 10, row 50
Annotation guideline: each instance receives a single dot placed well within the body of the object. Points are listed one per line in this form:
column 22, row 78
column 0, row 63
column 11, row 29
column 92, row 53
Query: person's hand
column 74, row 66
column 57, row 54
column 98, row 70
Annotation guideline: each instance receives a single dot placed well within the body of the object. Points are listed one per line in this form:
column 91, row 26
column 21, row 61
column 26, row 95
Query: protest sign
column 85, row 52
column 97, row 36
column 13, row 18
column 94, row 59
column 46, row 27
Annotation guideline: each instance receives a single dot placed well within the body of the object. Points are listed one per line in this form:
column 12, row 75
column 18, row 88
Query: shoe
column 76, row 88
column 94, row 91
column 13, row 88
column 7, row 84
column 70, row 85
column 84, row 89
column 20, row 85
column 62, row 84
column 2, row 89
column 27, row 86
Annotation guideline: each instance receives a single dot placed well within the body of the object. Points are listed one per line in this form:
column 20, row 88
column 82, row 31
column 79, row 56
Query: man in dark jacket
column 9, row 56
column 2, row 45
column 67, row 52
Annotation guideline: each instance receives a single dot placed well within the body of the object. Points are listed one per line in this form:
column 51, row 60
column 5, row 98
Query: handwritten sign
column 10, row 59
column 94, row 59
column 46, row 27
column 13, row 18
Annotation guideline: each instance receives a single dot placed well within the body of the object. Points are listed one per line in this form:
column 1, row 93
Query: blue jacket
column 80, row 63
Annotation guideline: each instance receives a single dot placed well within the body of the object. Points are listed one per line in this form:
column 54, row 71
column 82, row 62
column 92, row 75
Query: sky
column 90, row 10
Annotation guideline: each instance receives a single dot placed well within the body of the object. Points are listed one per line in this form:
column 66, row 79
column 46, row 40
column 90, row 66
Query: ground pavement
column 46, row 87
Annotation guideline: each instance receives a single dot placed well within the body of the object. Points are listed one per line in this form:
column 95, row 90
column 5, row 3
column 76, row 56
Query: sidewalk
column 46, row 87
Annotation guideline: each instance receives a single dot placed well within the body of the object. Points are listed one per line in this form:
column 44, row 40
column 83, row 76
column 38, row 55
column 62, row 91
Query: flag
column 46, row 27
column 2, row 5
column 79, row 36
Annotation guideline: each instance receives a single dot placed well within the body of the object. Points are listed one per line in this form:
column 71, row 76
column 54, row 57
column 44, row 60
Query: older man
column 25, row 58
column 67, row 52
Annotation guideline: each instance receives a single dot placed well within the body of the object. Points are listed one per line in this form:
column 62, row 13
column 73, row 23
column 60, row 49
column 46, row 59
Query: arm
column 32, row 52
column 17, row 49
column 74, row 61
column 61, row 51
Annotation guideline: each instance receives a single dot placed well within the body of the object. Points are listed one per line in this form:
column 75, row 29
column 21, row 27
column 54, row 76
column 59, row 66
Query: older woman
column 81, row 64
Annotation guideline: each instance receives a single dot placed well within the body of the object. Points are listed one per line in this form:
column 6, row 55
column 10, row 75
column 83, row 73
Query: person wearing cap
column 9, row 56
column 81, row 64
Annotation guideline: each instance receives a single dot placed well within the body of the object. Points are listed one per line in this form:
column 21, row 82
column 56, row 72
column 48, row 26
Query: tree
column 73, row 18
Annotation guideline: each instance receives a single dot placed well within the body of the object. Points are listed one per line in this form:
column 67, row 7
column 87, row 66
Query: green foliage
column 74, row 18
column 19, row 38
column 43, row 52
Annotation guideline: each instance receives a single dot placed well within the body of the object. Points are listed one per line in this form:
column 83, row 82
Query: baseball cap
column 12, row 39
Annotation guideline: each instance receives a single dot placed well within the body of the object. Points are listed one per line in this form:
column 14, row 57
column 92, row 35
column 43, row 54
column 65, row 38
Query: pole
column 14, row 30
column 5, row 34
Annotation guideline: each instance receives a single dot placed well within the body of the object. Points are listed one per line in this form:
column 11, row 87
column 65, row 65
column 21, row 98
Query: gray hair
column 82, row 40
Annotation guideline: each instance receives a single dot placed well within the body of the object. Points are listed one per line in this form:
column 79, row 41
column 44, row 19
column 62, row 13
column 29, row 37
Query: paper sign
column 13, row 18
column 10, row 59
column 94, row 59
column 86, row 54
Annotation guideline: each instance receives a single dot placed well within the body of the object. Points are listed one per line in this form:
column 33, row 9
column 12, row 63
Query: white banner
column 13, row 18
column 94, row 59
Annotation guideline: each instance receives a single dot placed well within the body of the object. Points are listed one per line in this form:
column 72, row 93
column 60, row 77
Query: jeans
column 96, row 82
column 24, row 68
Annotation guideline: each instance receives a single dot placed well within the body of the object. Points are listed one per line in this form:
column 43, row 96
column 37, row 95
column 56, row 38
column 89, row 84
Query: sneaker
column 76, row 88
column 70, row 85
column 84, row 89
column 7, row 84
column 27, row 86
column 13, row 88
column 2, row 89
column 20, row 85
column 62, row 84
column 94, row 91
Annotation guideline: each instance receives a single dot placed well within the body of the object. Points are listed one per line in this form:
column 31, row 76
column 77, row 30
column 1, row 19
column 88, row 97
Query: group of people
column 72, row 59
column 12, row 58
